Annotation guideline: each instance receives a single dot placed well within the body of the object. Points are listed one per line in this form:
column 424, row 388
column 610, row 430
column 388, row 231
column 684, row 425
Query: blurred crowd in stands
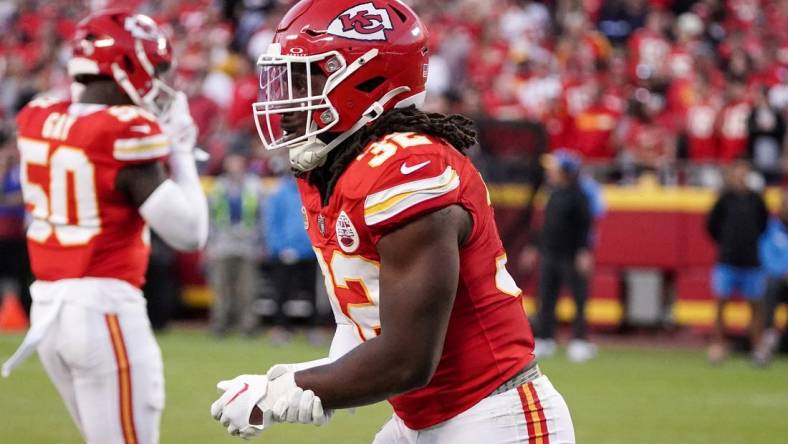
column 631, row 85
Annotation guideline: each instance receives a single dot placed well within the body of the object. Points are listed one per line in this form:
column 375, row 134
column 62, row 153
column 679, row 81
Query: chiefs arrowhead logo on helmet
column 361, row 22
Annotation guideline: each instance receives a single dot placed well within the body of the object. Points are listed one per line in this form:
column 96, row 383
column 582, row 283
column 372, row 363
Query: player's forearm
column 372, row 372
column 184, row 173
column 415, row 310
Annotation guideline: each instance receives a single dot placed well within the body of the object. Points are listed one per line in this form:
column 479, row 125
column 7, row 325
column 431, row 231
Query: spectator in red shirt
column 501, row 102
column 614, row 78
column 239, row 116
column 701, row 117
column 592, row 128
column 732, row 122
column 648, row 48
column 204, row 110
column 688, row 29
column 647, row 142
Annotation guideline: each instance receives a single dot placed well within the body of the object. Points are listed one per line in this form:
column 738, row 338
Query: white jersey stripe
column 150, row 152
column 141, row 148
column 380, row 197
column 385, row 204
column 133, row 143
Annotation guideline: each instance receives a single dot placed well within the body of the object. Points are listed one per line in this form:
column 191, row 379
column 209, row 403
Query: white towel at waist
column 100, row 294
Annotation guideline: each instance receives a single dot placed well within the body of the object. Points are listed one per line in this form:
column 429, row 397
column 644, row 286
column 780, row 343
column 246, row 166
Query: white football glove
column 177, row 124
column 234, row 408
column 287, row 402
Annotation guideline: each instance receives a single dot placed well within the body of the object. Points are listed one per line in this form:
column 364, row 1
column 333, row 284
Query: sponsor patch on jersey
column 347, row 236
column 306, row 218
column 362, row 22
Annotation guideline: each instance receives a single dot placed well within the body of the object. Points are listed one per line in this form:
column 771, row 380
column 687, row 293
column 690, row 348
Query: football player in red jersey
column 93, row 178
column 427, row 315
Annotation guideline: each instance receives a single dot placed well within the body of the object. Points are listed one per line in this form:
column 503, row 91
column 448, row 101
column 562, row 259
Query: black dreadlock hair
column 455, row 129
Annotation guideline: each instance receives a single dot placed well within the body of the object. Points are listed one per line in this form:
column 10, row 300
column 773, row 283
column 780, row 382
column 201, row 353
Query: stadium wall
column 646, row 227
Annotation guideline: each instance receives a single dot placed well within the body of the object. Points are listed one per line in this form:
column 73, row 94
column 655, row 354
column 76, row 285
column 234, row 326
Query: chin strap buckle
column 312, row 153
column 374, row 111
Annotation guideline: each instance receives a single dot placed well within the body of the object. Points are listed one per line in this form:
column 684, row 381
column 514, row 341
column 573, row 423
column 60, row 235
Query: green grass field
column 626, row 396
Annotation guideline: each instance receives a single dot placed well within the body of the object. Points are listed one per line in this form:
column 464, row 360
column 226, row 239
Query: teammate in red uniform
column 93, row 179
column 427, row 315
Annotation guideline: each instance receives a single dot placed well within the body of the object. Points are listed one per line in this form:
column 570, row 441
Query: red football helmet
column 372, row 54
column 129, row 48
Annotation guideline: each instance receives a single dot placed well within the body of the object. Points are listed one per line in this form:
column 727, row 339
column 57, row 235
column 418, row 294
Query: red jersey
column 592, row 130
column 701, row 139
column 648, row 49
column 71, row 153
column 245, row 93
column 395, row 181
column 649, row 143
column 733, row 129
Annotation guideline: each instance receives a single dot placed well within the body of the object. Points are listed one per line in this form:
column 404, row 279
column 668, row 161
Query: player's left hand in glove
column 178, row 125
column 235, row 408
column 285, row 401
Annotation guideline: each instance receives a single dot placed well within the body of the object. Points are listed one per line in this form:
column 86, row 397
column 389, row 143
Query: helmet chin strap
column 312, row 153
column 146, row 102
column 122, row 79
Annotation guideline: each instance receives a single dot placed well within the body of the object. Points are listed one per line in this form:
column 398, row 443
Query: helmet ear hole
column 399, row 13
column 370, row 85
column 128, row 65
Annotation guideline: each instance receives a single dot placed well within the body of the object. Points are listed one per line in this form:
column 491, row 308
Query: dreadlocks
column 455, row 129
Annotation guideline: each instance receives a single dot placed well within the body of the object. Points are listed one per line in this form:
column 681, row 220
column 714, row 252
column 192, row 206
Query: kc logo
column 142, row 27
column 362, row 22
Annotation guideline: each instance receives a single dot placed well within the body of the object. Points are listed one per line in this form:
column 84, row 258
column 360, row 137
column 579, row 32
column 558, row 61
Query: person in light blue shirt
column 593, row 192
column 773, row 251
column 596, row 202
column 284, row 224
column 293, row 262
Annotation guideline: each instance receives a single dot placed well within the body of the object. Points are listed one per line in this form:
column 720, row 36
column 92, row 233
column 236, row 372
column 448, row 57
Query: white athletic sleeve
column 345, row 339
column 178, row 210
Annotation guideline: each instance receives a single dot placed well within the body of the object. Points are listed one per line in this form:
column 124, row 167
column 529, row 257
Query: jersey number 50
column 49, row 204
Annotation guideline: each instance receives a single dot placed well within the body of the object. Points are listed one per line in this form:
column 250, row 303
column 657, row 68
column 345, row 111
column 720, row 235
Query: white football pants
column 534, row 413
column 101, row 355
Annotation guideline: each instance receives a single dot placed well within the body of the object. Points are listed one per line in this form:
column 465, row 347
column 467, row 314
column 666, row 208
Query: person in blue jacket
column 773, row 250
column 293, row 262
